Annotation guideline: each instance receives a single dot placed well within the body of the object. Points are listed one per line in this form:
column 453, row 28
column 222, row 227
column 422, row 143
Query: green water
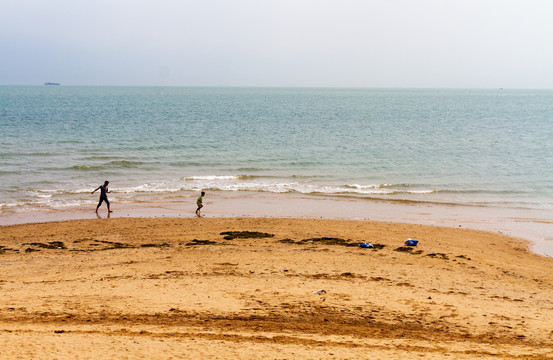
column 477, row 147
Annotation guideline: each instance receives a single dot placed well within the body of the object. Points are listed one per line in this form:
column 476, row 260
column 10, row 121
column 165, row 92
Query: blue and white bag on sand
column 366, row 246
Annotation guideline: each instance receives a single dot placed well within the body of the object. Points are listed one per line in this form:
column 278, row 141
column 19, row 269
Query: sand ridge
column 176, row 288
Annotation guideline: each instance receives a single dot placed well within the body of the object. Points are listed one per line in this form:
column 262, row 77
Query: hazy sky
column 334, row 43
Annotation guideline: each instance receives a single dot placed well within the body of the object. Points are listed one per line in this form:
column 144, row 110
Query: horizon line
column 290, row 87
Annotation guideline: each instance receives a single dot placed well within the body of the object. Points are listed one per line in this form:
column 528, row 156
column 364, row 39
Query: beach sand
column 176, row 288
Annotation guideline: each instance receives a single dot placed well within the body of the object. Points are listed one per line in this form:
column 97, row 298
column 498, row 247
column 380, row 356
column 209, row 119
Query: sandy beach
column 299, row 288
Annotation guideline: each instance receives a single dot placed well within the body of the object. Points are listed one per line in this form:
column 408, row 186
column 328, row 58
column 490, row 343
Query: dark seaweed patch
column 100, row 245
column 409, row 250
column 115, row 245
column 155, row 245
column 287, row 241
column 201, row 242
column 3, row 249
column 438, row 255
column 50, row 245
column 328, row 241
column 231, row 235
column 83, row 240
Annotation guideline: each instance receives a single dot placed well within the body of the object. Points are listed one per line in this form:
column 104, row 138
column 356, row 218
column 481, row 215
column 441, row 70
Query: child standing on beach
column 199, row 202
column 103, row 195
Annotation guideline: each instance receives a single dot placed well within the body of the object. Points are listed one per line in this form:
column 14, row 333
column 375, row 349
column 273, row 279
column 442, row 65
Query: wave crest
column 115, row 164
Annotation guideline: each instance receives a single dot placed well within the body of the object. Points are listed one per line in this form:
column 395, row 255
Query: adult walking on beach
column 103, row 195
column 200, row 204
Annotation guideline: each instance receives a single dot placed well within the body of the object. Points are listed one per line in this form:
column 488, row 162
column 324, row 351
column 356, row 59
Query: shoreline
column 529, row 225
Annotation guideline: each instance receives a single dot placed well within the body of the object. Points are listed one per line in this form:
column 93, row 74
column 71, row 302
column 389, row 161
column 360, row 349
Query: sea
column 487, row 149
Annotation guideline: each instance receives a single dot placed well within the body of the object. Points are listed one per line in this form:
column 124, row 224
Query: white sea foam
column 11, row 205
column 70, row 203
column 149, row 188
column 45, row 196
column 370, row 186
column 79, row 196
column 274, row 185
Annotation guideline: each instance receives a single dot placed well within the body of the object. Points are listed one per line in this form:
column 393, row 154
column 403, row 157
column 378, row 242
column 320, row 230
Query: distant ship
column 51, row 83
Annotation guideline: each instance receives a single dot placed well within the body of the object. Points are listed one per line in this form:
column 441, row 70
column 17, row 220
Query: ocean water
column 468, row 147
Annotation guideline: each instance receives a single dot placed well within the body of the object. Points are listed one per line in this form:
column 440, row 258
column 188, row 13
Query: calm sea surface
column 474, row 147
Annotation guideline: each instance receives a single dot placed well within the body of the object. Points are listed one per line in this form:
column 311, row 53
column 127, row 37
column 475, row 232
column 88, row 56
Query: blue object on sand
column 366, row 246
column 411, row 242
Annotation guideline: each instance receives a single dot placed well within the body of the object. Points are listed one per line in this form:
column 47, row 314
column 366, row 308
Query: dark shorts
column 102, row 199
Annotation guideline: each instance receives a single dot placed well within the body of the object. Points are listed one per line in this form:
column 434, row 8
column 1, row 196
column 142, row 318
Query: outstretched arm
column 95, row 190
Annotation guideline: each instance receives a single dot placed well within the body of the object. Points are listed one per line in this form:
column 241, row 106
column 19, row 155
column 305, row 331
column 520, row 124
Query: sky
column 282, row 43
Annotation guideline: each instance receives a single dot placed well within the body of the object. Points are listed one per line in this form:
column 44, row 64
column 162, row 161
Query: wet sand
column 531, row 225
column 176, row 288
